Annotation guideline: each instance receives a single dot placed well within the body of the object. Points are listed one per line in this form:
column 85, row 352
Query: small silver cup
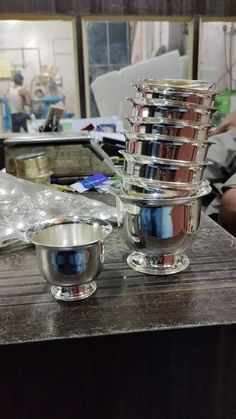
column 70, row 254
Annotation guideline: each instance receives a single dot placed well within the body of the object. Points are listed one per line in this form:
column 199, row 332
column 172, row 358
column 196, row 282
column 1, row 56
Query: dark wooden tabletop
column 126, row 301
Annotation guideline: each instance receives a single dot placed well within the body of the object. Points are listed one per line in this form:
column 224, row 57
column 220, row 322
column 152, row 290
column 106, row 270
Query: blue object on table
column 7, row 126
column 90, row 182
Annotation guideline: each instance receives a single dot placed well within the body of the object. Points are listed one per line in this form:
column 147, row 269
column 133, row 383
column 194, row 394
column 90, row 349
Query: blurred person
column 53, row 96
column 38, row 105
column 221, row 203
column 18, row 99
column 226, row 124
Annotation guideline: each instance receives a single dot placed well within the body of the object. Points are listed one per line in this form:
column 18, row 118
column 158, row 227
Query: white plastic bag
column 24, row 203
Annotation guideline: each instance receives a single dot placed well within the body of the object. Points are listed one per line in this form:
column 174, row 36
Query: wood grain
column 139, row 348
column 218, row 8
column 126, row 301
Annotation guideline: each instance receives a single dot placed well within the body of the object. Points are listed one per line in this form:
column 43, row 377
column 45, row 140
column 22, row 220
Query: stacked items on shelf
column 162, row 181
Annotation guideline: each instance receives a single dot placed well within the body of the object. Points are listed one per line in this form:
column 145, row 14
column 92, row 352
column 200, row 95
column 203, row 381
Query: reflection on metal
column 70, row 254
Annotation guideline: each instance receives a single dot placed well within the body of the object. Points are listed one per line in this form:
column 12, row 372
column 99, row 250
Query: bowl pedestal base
column 73, row 293
column 157, row 265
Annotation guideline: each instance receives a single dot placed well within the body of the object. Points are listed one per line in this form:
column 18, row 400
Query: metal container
column 171, row 127
column 45, row 180
column 159, row 198
column 152, row 201
column 139, row 188
column 32, row 165
column 74, row 154
column 70, row 254
column 187, row 91
column 166, row 147
column 162, row 169
column 176, row 84
column 170, row 109
column 160, row 233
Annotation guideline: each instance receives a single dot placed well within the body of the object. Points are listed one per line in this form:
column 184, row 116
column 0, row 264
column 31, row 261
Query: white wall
column 212, row 63
column 50, row 37
column 147, row 38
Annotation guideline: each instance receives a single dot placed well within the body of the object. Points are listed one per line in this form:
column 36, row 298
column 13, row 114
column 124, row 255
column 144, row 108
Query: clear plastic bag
column 24, row 203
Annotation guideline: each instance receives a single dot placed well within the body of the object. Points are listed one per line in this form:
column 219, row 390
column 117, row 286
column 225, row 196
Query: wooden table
column 146, row 351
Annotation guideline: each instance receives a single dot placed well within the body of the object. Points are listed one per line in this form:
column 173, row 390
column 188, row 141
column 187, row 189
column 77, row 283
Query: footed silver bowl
column 70, row 254
column 159, row 231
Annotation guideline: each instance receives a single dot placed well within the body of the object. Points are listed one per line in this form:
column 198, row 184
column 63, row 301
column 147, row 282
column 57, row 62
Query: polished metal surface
column 176, row 84
column 163, row 169
column 162, row 229
column 201, row 99
column 170, row 109
column 167, row 148
column 159, row 233
column 166, row 195
column 159, row 198
column 136, row 187
column 157, row 265
column 187, row 91
column 70, row 253
column 153, row 136
column 165, row 126
column 159, row 230
column 32, row 165
column 79, row 292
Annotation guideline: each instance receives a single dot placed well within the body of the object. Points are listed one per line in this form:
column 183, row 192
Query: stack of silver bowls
column 162, row 178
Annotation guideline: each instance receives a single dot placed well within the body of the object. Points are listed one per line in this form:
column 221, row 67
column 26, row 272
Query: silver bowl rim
column 152, row 160
column 42, row 225
column 178, row 123
column 169, row 85
column 154, row 195
column 143, row 182
column 176, row 82
column 159, row 137
column 155, row 202
column 151, row 102
column 31, row 156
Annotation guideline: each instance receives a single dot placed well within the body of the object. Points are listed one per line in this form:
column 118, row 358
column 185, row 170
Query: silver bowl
column 70, row 254
column 173, row 127
column 161, row 108
column 187, row 91
column 159, row 234
column 166, row 148
column 141, row 188
column 163, row 199
column 163, row 169
column 176, row 84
